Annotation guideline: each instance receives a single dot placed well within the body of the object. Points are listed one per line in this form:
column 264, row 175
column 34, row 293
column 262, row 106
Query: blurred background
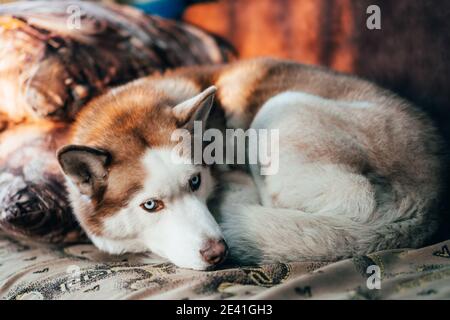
column 410, row 54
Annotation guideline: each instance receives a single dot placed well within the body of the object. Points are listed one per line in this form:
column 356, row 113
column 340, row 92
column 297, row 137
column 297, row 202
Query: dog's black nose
column 214, row 252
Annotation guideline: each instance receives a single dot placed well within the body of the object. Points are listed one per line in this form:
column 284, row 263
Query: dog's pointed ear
column 197, row 108
column 86, row 167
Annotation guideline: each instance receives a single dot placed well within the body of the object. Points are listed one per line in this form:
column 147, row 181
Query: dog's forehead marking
column 167, row 173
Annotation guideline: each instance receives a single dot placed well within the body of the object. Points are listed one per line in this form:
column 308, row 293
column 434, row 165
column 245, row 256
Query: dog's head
column 124, row 185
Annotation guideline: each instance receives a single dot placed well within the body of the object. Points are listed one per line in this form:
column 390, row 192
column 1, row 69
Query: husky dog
column 360, row 169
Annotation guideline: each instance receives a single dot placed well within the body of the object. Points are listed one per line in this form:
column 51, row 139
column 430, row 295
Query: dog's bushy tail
column 257, row 234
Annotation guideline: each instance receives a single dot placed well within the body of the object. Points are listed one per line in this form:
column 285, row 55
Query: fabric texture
column 80, row 271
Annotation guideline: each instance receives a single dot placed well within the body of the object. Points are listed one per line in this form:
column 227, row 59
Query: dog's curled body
column 360, row 169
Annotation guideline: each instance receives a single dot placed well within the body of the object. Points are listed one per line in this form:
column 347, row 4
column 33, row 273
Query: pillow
column 51, row 64
column 55, row 56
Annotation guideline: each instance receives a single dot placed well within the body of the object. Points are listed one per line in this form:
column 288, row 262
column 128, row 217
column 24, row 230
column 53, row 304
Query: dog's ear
column 197, row 108
column 86, row 167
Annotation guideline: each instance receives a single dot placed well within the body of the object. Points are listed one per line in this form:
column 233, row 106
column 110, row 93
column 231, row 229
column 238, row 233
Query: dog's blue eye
column 194, row 182
column 152, row 205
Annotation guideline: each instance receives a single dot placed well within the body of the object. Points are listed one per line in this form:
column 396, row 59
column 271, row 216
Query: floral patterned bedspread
column 33, row 271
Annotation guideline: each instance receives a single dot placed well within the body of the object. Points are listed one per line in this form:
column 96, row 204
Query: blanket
column 80, row 271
